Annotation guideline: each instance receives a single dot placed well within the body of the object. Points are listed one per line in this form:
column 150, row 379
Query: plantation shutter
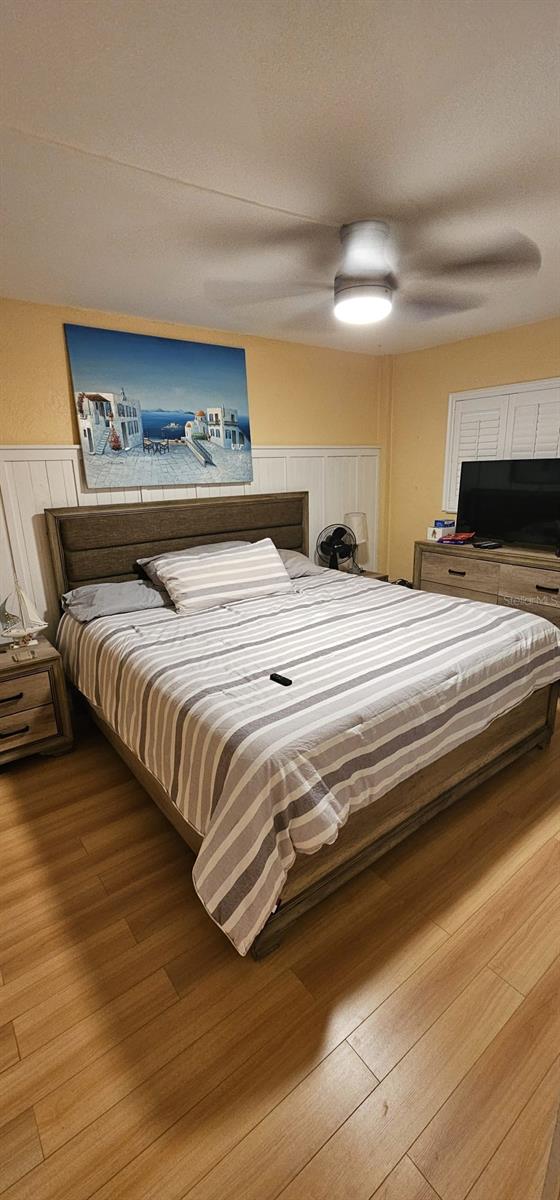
column 479, row 429
column 522, row 424
column 534, row 425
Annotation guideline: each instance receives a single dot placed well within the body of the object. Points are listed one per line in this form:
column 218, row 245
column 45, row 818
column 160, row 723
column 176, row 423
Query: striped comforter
column 385, row 681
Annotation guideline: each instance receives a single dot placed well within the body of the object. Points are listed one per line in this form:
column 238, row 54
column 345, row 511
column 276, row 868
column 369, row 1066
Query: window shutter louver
column 534, row 425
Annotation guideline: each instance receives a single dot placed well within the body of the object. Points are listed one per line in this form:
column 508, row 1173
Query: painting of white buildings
column 107, row 421
column 159, row 411
column 223, row 427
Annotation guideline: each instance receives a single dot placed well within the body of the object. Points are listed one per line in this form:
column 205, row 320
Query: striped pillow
column 150, row 566
column 245, row 573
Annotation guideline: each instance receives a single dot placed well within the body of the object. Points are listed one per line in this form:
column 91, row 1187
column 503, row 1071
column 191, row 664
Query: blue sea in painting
column 157, row 422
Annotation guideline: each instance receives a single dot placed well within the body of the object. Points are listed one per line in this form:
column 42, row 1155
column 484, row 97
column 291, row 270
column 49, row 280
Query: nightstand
column 34, row 709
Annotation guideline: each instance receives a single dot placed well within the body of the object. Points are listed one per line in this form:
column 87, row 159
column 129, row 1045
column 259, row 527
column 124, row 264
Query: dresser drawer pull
column 15, row 732
column 553, row 590
column 11, row 699
column 450, row 571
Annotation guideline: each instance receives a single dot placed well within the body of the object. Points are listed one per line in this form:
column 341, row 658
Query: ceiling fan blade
column 315, row 310
column 271, row 235
column 430, row 307
column 487, row 191
column 240, row 292
column 515, row 253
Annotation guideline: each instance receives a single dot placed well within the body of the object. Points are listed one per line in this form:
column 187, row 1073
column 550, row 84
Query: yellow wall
column 298, row 395
column 420, row 387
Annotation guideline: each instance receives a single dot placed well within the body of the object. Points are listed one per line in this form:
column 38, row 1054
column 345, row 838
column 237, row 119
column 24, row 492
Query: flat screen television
column 514, row 501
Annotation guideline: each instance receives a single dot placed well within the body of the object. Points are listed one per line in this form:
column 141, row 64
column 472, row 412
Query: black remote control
column 280, row 679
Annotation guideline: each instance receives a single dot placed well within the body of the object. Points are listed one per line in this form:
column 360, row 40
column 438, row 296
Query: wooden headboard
column 101, row 543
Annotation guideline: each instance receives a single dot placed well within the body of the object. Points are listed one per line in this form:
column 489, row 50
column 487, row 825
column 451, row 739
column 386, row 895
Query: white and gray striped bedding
column 385, row 681
column 244, row 573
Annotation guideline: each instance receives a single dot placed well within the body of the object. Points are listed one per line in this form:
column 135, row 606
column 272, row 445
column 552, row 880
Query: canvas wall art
column 157, row 411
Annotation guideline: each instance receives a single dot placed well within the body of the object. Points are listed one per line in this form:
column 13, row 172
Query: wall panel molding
column 339, row 479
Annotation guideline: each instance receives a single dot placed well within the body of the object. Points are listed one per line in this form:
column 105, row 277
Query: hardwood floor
column 401, row 1045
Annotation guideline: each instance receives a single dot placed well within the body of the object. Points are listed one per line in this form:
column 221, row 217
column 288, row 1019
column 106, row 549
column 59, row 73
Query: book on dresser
column 517, row 577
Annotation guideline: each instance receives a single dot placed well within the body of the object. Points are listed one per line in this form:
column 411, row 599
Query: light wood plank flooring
column 401, row 1045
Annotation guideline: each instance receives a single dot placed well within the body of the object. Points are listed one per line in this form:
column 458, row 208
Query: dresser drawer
column 460, row 571
column 522, row 586
column 464, row 593
column 23, row 728
column 24, row 691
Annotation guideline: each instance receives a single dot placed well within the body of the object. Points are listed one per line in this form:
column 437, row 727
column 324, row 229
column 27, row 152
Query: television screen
column 515, row 501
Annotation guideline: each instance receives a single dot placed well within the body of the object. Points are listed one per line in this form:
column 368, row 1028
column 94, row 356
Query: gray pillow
column 107, row 599
column 149, row 566
column 298, row 565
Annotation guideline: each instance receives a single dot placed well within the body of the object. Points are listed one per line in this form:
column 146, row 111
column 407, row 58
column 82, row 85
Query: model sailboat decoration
column 20, row 627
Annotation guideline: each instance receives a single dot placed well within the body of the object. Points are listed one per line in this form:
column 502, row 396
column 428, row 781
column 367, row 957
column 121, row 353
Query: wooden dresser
column 528, row 579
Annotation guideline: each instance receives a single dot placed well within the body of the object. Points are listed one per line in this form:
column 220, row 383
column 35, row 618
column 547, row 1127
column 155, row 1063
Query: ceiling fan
column 365, row 285
column 373, row 274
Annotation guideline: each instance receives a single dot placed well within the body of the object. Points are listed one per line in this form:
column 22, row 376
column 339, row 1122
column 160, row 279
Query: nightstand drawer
column 529, row 585
column 457, row 570
column 24, row 691
column 26, row 727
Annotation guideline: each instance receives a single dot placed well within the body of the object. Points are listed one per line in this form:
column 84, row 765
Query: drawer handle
column 15, row 732
column 11, row 699
column 450, row 571
column 553, row 590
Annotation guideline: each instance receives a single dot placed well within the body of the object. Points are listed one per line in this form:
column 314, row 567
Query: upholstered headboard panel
column 102, row 543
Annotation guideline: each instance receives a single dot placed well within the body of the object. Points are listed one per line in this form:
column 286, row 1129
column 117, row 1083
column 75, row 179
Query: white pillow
column 245, row 573
column 298, row 565
column 150, row 566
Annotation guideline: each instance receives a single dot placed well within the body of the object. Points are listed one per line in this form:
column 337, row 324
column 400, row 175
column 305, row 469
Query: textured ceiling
column 192, row 160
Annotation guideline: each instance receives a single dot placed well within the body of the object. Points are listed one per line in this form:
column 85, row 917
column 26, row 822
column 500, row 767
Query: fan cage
column 336, row 544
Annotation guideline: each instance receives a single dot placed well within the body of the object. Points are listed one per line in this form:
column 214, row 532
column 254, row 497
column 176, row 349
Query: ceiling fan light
column 362, row 303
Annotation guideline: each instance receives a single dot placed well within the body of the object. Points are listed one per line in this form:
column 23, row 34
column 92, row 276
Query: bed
column 402, row 702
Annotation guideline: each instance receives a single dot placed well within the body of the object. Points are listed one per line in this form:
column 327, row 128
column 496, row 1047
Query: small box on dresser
column 517, row 577
column 34, row 709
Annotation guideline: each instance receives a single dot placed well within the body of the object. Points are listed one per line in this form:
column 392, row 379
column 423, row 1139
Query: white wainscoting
column 32, row 478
